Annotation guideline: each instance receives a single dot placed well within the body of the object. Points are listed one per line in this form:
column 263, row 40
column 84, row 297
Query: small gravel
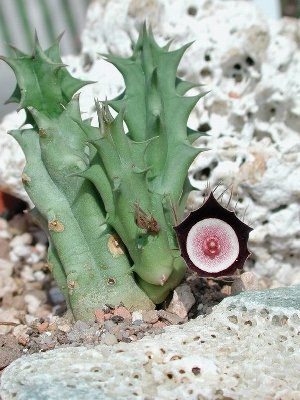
column 32, row 307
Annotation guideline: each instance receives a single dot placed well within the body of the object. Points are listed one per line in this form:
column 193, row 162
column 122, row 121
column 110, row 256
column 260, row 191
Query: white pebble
column 3, row 224
column 5, row 235
column 33, row 258
column 41, row 248
column 13, row 257
column 137, row 316
column 25, row 238
column 7, row 285
column 21, row 251
column 39, row 276
column 38, row 253
column 27, row 274
column 32, row 303
column 6, row 267
column 29, row 319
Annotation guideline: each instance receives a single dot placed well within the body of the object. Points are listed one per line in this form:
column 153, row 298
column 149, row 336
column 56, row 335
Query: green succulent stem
column 108, row 197
column 90, row 282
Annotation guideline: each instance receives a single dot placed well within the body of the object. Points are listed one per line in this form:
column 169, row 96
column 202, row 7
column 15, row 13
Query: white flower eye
column 212, row 245
column 212, row 240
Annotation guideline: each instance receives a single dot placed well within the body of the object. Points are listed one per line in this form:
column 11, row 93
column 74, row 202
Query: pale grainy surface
column 248, row 348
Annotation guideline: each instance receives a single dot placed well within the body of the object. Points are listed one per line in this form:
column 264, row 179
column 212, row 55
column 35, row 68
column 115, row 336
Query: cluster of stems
column 108, row 196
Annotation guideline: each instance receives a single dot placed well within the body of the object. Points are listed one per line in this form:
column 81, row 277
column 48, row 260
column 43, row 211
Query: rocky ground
column 32, row 310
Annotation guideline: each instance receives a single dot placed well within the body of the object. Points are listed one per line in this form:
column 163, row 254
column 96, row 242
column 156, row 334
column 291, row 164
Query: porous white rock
column 11, row 157
column 248, row 348
column 251, row 65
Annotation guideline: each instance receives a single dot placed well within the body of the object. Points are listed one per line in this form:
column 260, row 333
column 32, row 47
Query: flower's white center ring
column 212, row 245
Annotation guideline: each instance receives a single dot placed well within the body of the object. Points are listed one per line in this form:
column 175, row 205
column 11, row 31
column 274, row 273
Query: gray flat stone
column 286, row 298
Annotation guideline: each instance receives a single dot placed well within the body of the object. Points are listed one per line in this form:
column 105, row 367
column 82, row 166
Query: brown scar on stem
column 72, row 284
column 42, row 132
column 145, row 221
column 25, row 178
column 56, row 226
column 113, row 245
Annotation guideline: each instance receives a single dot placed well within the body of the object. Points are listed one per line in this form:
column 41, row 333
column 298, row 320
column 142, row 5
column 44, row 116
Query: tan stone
column 23, row 339
column 122, row 312
column 99, row 316
column 150, row 317
column 64, row 328
column 247, row 281
column 43, row 327
column 159, row 325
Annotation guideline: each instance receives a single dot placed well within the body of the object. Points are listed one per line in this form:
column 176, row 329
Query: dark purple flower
column 212, row 240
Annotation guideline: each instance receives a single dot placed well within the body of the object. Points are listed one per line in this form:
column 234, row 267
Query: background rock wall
column 252, row 113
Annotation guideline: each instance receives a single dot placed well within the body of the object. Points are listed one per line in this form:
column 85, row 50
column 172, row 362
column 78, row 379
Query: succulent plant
column 107, row 197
